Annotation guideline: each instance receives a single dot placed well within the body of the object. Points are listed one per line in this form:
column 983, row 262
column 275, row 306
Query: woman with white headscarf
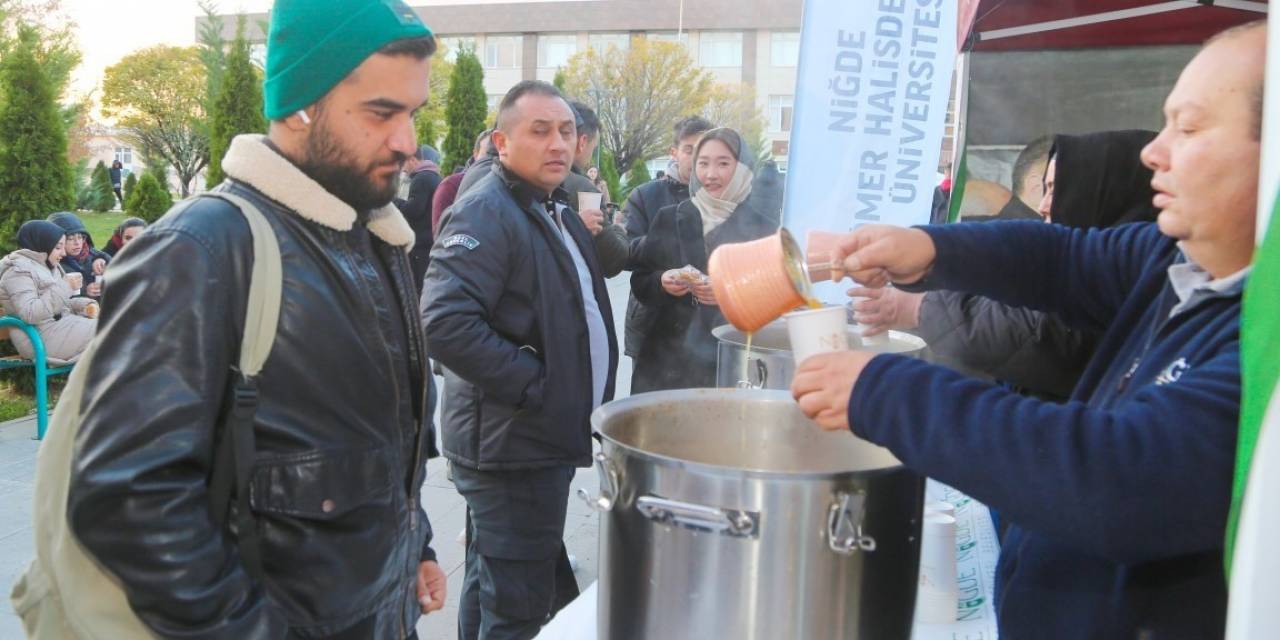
column 680, row 352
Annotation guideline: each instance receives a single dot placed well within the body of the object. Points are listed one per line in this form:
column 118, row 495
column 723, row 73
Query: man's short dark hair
column 588, row 121
column 1036, row 151
column 522, row 89
column 484, row 135
column 691, row 126
column 421, row 48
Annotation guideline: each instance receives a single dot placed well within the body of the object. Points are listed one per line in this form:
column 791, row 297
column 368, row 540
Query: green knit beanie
column 314, row 44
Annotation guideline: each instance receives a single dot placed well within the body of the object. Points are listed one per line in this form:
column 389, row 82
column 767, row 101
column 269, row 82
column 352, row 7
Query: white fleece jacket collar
column 251, row 161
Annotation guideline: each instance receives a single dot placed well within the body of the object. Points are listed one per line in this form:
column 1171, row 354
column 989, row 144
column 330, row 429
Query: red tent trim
column 1033, row 24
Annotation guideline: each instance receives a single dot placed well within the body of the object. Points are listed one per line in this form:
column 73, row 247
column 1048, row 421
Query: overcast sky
column 111, row 29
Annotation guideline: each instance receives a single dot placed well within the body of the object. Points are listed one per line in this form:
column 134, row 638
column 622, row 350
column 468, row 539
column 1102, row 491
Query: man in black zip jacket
column 518, row 313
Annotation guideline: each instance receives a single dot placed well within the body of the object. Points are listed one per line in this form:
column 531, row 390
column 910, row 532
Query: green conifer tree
column 129, row 184
column 101, row 197
column 149, row 200
column 35, row 177
column 638, row 176
column 237, row 108
column 466, row 108
column 425, row 127
column 609, row 171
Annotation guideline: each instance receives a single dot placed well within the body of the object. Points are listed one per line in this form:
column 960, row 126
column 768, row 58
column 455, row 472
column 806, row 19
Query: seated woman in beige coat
column 34, row 287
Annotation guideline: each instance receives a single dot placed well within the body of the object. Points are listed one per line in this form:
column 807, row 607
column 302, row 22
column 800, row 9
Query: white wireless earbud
column 305, row 118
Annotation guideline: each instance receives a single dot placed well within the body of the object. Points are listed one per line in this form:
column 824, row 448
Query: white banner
column 1255, row 569
column 871, row 107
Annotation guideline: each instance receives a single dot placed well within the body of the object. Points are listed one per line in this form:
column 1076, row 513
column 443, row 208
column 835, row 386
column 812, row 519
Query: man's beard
column 329, row 164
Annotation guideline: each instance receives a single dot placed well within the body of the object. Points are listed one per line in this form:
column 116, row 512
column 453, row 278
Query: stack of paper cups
column 939, row 595
column 940, row 506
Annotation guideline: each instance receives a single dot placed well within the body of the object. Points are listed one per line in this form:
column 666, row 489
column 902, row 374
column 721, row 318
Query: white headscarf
column 716, row 210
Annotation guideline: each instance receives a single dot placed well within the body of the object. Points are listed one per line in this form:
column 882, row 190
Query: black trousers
column 517, row 569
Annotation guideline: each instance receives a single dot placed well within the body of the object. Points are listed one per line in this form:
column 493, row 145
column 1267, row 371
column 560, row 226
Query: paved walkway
column 444, row 507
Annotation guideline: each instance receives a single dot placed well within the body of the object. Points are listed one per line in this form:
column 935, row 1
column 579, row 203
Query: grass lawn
column 17, row 397
column 14, row 405
column 101, row 225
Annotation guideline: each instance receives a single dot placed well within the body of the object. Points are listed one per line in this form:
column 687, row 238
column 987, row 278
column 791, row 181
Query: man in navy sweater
column 1118, row 499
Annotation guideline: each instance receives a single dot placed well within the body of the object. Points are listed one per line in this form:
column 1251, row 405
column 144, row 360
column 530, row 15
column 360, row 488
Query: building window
column 658, row 164
column 786, row 49
column 781, row 109
column 670, row 36
column 602, row 41
column 124, row 155
column 258, row 55
column 454, row 44
column 502, row 52
column 554, row 51
column 493, row 100
column 780, row 150
column 720, row 49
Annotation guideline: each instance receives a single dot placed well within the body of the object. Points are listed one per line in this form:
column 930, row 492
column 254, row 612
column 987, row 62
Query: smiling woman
column 680, row 352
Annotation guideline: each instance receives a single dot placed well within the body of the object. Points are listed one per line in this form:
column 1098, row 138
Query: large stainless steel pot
column 728, row 514
column 770, row 364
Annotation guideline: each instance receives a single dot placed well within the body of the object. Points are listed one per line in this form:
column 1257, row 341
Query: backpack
column 64, row 592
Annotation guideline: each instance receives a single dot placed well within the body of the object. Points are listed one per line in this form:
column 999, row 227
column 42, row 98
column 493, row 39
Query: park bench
column 41, row 366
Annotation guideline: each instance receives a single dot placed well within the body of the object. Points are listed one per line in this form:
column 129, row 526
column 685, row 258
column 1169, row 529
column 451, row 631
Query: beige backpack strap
column 233, row 472
column 262, row 313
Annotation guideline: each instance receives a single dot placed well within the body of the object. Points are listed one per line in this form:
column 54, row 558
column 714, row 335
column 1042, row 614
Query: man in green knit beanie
column 326, row 536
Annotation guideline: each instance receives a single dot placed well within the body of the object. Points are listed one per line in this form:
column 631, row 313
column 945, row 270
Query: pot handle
column 762, row 372
column 729, row 522
column 608, row 486
column 844, row 525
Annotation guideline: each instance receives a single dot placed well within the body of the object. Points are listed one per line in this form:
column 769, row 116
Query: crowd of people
column 1092, row 355
column 53, row 282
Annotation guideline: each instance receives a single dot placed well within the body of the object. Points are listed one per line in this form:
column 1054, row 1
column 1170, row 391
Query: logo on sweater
column 463, row 240
column 1173, row 372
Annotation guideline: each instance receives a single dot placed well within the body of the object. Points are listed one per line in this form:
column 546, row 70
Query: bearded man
column 336, row 543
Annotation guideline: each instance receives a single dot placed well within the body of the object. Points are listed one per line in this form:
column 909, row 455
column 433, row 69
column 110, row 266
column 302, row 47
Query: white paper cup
column 938, row 595
column 936, row 607
column 816, row 331
column 940, row 506
column 588, row 201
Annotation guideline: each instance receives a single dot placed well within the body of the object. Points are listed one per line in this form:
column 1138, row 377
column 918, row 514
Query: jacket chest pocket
column 330, row 518
column 323, row 485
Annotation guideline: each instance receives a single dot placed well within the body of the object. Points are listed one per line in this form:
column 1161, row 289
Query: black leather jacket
column 503, row 308
column 343, row 431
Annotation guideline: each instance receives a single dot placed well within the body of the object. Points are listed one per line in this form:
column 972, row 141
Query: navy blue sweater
column 1117, row 499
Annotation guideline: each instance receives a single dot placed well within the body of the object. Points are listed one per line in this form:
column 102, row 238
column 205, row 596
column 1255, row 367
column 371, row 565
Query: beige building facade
column 756, row 42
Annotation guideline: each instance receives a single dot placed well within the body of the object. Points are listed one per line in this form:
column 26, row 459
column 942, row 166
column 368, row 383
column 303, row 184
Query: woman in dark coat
column 81, row 255
column 124, row 234
column 1093, row 181
column 680, row 352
